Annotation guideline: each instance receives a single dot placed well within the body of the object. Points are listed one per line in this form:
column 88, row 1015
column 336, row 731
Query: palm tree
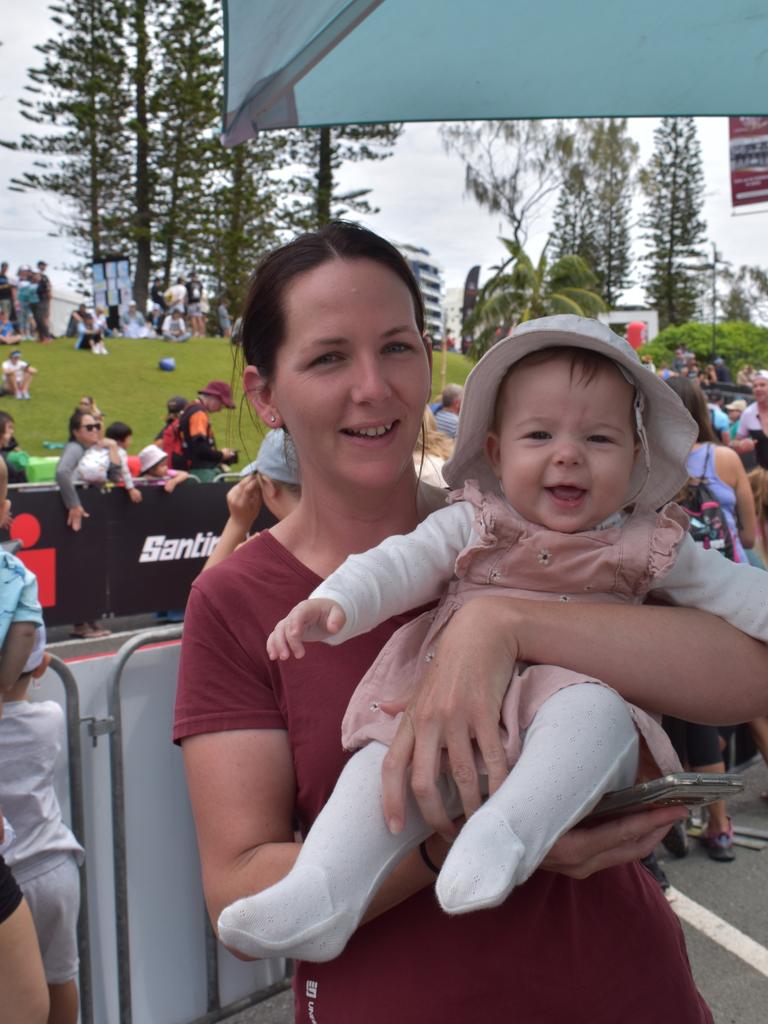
column 520, row 291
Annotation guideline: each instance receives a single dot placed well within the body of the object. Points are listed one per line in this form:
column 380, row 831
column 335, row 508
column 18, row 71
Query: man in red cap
column 202, row 457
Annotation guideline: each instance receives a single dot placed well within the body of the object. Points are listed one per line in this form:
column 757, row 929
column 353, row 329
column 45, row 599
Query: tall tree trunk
column 324, row 178
column 172, row 225
column 142, row 220
column 93, row 144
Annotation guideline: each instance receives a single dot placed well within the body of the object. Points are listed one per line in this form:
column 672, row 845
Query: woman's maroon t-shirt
column 598, row 951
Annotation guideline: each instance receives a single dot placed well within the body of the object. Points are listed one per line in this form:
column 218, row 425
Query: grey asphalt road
column 735, row 892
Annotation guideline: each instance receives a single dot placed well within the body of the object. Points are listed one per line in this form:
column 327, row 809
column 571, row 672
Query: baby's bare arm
column 317, row 618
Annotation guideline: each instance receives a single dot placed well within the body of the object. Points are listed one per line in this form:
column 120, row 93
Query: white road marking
column 715, row 928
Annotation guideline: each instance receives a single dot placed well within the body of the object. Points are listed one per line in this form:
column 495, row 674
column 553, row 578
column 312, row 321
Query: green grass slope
column 128, row 385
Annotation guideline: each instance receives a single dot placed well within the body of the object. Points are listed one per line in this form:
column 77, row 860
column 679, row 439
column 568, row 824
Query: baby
column 567, row 447
column 108, row 460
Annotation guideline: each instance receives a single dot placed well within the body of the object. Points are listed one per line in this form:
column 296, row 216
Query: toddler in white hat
column 567, row 457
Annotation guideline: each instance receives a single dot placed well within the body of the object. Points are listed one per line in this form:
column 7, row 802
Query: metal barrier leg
column 77, row 804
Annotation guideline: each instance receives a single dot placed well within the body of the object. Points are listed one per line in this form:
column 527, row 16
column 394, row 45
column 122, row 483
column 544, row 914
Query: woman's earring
column 273, row 419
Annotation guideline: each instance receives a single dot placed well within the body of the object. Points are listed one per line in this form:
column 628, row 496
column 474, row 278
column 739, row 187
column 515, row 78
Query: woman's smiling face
column 352, row 374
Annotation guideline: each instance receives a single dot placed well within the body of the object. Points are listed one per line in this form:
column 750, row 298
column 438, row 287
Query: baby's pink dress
column 513, row 558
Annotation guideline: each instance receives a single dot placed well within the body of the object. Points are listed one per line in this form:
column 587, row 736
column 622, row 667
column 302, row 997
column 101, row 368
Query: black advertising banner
column 127, row 559
column 468, row 305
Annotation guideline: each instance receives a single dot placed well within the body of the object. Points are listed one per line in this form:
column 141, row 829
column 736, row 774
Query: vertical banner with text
column 749, row 159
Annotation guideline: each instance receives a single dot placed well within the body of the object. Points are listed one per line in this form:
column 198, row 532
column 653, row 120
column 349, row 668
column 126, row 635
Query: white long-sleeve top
column 409, row 570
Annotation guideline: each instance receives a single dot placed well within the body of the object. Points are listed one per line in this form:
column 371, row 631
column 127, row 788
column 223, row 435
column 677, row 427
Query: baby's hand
column 314, row 619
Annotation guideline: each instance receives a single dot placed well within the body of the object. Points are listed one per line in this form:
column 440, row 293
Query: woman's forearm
column 669, row 660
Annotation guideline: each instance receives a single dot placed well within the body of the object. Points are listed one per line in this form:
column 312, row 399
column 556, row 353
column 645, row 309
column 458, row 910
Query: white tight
column 581, row 744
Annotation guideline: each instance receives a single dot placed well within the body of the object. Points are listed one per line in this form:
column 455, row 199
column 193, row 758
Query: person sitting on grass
column 175, row 327
column 90, row 337
column 134, row 324
column 8, row 335
column 17, row 375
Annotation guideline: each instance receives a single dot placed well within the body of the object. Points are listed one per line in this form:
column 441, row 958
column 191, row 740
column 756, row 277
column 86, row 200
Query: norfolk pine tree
column 674, row 227
column 80, row 93
column 573, row 228
column 612, row 160
column 319, row 153
column 185, row 111
column 241, row 214
column 592, row 218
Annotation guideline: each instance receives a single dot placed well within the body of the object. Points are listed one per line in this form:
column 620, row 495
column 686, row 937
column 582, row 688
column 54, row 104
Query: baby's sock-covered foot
column 297, row 917
column 581, row 744
column 483, row 865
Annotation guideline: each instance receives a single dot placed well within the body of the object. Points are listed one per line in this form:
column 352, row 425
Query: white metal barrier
column 150, row 956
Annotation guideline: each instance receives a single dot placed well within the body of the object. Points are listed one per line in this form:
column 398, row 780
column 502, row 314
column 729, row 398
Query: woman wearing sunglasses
column 84, row 433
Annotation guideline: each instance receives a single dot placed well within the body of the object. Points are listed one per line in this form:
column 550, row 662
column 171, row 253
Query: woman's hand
column 75, row 517
column 587, row 849
column 458, row 701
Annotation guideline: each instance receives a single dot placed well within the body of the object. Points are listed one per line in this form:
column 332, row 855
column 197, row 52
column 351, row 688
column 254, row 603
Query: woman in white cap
column 333, row 339
column 590, row 445
column 271, row 481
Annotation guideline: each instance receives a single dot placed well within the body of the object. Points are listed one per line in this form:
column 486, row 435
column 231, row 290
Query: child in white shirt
column 43, row 854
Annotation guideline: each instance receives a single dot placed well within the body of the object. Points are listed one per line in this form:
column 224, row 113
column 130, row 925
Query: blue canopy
column 318, row 62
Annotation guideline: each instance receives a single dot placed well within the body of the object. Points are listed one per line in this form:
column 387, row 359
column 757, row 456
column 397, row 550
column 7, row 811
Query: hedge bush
column 736, row 341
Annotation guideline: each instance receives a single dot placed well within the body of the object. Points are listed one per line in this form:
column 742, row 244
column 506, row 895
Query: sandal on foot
column 90, row 632
column 719, row 847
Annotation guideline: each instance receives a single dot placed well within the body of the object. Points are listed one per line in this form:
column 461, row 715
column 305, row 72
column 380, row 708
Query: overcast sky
column 420, row 190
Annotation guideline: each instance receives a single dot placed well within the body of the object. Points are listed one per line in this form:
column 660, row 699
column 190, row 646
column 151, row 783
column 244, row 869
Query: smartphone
column 688, row 788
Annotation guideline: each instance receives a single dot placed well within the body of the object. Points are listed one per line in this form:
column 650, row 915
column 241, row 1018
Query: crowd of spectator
column 175, row 312
column 25, row 304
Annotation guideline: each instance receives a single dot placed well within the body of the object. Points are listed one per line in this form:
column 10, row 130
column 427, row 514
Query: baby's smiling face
column 564, row 445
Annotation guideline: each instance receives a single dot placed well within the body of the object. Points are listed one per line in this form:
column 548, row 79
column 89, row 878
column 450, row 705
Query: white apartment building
column 429, row 274
column 453, row 307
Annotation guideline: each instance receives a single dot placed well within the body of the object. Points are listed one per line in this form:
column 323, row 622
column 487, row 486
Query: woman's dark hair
column 76, row 419
column 263, row 323
column 118, row 431
column 694, row 401
column 5, row 419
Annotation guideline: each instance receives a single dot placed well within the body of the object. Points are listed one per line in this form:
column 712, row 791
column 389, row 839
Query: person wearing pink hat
column 203, row 458
column 153, row 464
column 563, row 416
